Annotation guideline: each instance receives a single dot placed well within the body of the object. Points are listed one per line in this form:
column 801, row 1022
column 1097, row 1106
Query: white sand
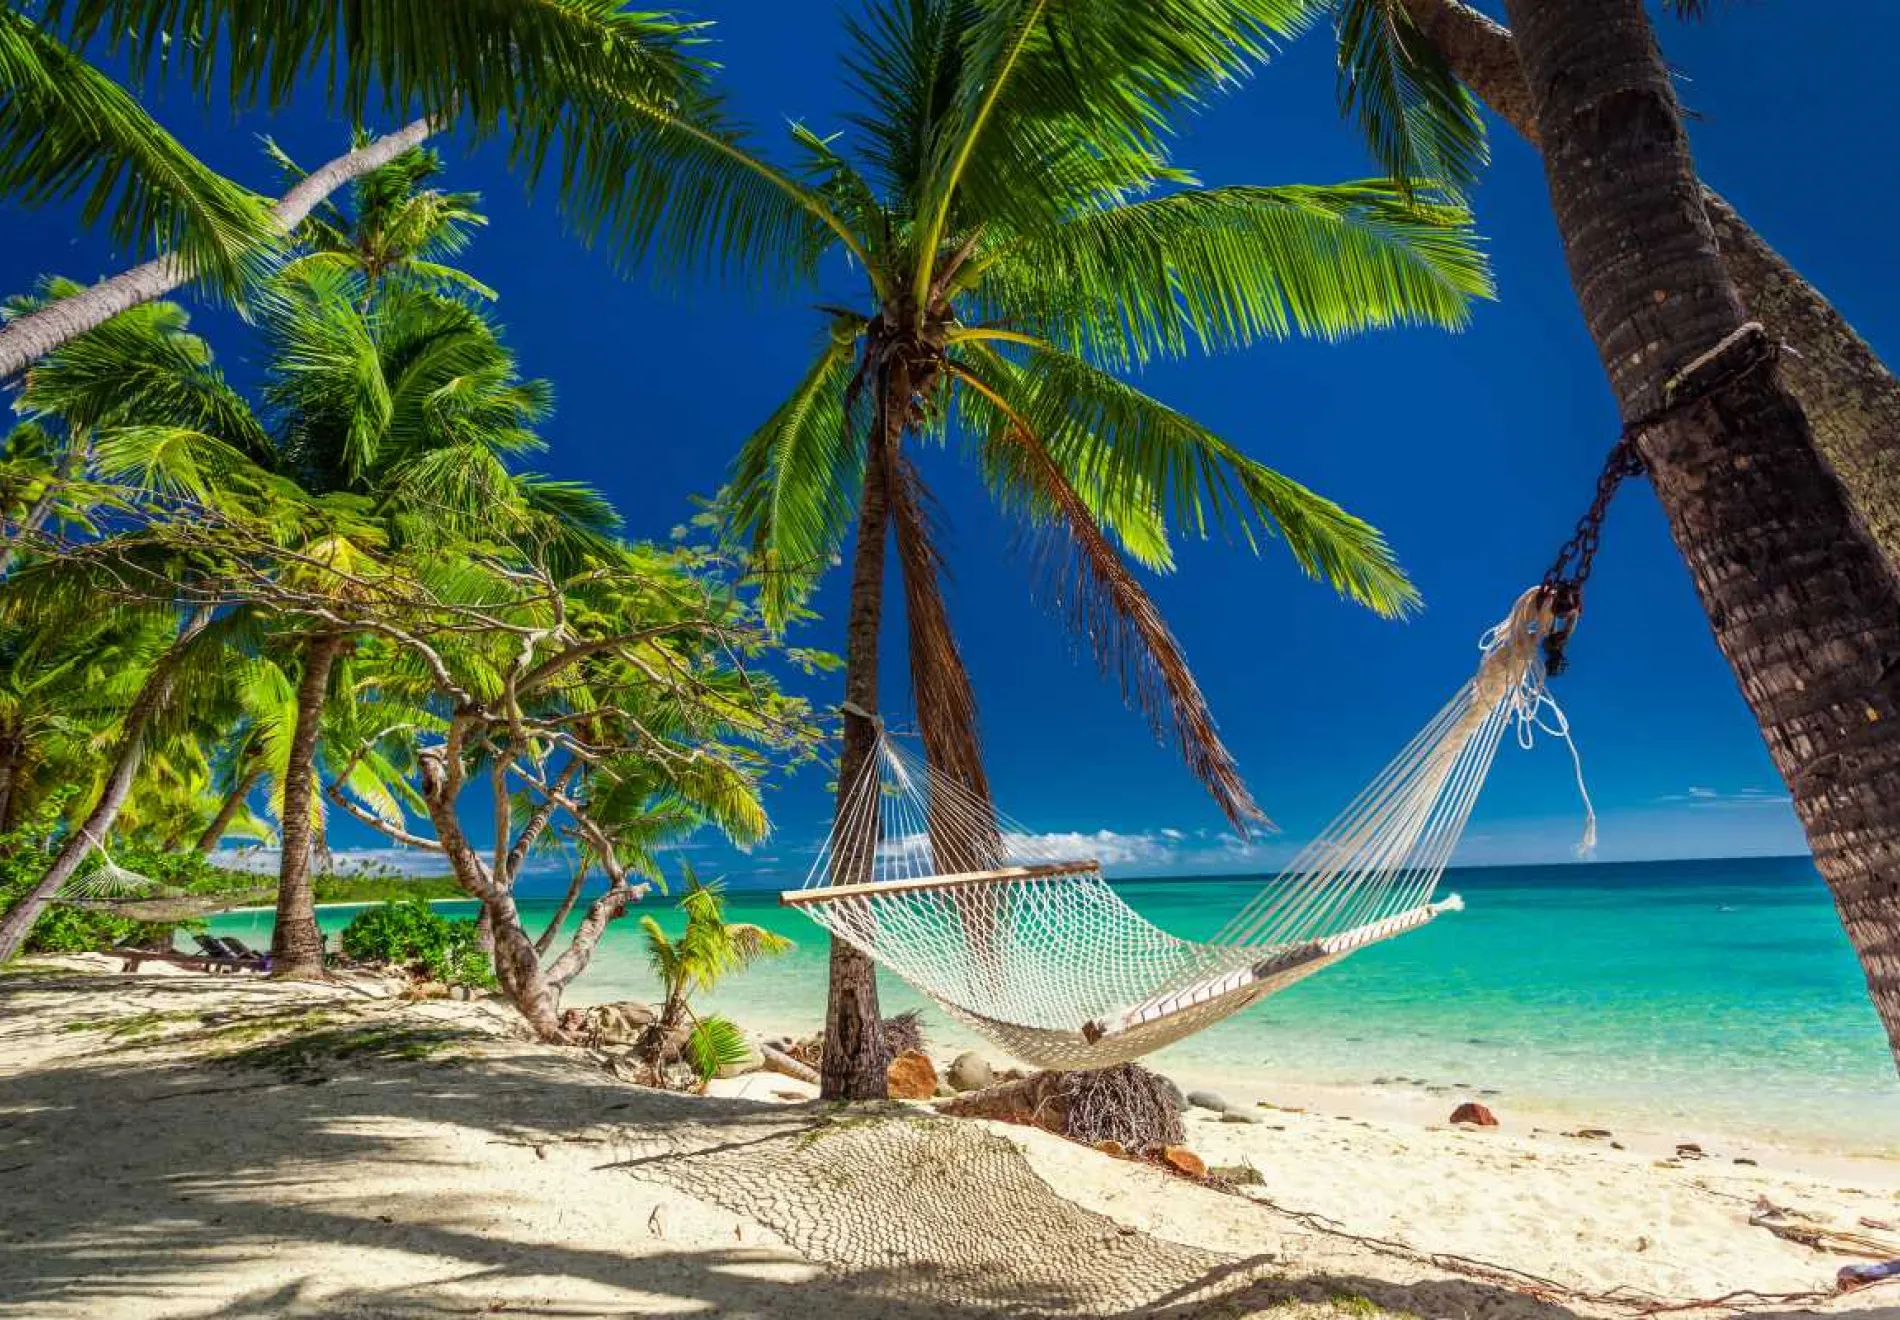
column 147, row 1169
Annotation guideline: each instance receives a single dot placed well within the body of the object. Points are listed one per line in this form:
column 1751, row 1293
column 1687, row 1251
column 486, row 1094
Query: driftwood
column 778, row 1061
column 1126, row 1104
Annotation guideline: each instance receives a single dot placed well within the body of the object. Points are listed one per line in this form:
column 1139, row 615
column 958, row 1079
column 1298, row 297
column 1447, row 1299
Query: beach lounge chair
column 131, row 958
column 239, row 949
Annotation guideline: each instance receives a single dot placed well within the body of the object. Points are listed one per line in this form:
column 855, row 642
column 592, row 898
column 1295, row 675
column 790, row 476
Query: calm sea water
column 1717, row 993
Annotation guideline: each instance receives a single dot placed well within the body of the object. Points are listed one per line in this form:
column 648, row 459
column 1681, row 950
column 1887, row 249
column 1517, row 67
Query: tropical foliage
column 408, row 934
column 364, row 529
column 707, row 950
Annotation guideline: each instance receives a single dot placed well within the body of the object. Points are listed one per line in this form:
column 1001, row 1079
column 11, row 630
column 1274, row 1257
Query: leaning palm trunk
column 296, row 945
column 1851, row 400
column 152, row 698
column 227, row 810
column 854, row 1063
column 31, row 337
column 1803, row 604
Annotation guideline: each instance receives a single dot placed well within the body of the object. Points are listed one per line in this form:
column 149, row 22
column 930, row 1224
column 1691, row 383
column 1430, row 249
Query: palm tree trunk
column 1851, row 400
column 854, row 1063
column 152, row 697
column 12, row 748
column 33, row 336
column 296, row 945
column 1803, row 604
column 228, row 810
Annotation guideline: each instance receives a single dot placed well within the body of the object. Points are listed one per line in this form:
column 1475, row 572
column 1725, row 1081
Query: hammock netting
column 109, row 887
column 1034, row 948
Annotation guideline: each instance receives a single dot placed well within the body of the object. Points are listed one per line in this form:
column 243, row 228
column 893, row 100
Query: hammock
column 109, row 887
column 1035, row 950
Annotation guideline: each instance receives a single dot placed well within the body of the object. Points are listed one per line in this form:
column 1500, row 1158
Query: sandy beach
column 189, row 1146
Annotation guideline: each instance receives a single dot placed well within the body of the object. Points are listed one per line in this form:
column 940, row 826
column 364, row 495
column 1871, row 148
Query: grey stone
column 1207, row 1100
column 970, row 1071
column 1238, row 1116
column 1174, row 1093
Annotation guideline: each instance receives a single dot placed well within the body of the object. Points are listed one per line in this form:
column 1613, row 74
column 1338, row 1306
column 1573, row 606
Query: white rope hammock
column 1037, row 952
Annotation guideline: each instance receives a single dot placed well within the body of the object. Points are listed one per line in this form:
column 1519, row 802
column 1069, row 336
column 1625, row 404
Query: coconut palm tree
column 1018, row 233
column 392, row 226
column 1803, row 606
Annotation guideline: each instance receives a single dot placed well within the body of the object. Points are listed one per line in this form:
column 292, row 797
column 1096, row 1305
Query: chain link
column 1562, row 586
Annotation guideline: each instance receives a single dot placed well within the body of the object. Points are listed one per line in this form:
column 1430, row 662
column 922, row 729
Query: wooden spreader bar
column 830, row 893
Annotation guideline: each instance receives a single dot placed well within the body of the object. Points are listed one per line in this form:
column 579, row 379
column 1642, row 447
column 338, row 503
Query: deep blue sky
column 1474, row 453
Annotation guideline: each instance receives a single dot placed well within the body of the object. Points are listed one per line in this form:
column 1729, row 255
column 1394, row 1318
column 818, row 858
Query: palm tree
column 1803, row 605
column 1021, row 235
column 393, row 227
column 613, row 96
column 412, row 403
column 708, row 950
column 1409, row 70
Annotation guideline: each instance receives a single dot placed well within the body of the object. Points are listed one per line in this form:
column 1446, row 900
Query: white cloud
column 1164, row 851
column 1754, row 796
column 405, row 861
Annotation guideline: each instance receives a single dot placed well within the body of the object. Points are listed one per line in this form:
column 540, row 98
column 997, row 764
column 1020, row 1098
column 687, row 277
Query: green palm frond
column 66, row 129
column 715, row 1043
column 1419, row 121
column 176, row 460
column 609, row 99
column 1038, row 77
column 142, row 367
column 796, row 480
column 1115, row 438
column 1112, row 614
column 1221, row 268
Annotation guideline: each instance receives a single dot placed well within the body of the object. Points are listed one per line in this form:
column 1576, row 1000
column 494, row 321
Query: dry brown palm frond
column 940, row 684
column 1114, row 616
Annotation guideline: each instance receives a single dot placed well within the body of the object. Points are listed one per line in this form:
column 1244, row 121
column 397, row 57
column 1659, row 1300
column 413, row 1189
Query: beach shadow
column 133, row 1177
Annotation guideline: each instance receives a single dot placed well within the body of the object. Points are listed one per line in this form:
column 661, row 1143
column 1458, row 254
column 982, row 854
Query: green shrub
column 409, row 934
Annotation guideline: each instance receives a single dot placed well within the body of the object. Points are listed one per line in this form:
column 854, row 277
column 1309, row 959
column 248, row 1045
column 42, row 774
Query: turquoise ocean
column 1718, row 994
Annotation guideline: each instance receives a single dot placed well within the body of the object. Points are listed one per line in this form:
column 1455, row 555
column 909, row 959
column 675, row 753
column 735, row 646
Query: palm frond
column 1037, row 78
column 939, row 680
column 1111, row 612
column 1125, row 450
column 714, row 1043
column 1419, row 121
column 66, row 129
column 1221, row 268
column 609, row 98
column 796, row 481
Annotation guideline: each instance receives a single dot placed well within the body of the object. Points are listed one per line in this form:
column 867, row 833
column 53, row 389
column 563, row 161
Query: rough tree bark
column 1802, row 603
column 854, row 1062
column 296, row 945
column 12, row 748
column 228, row 810
column 1852, row 401
column 31, row 337
column 152, row 698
